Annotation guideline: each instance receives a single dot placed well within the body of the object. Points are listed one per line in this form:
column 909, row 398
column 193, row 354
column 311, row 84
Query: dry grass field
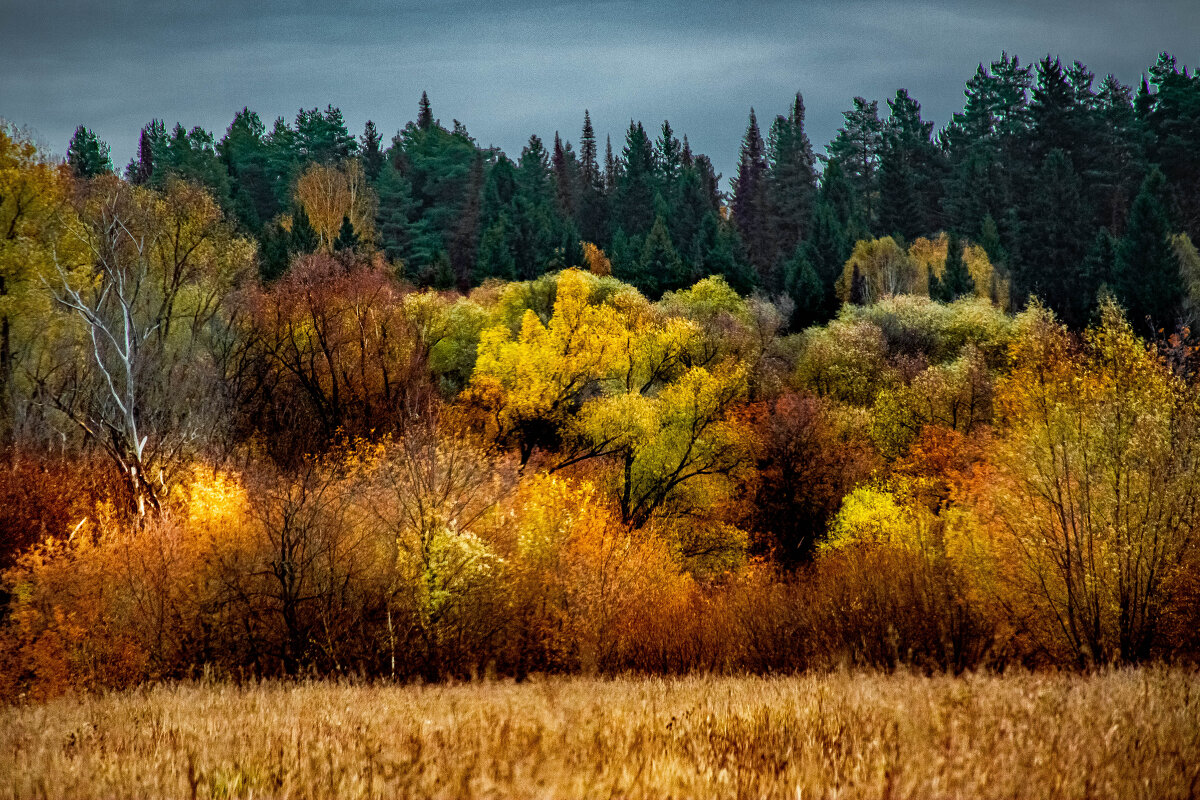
column 1129, row 734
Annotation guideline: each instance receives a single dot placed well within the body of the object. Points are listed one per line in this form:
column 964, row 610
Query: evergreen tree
column 247, row 161
column 791, row 180
column 956, row 281
column 612, row 169
column 827, row 248
column 1147, row 279
column 592, row 216
column 857, row 147
column 372, row 152
column 662, row 269
column 87, row 155
column 304, row 237
column 322, row 136
column 804, row 287
column 565, row 167
column 1099, row 270
column 425, row 113
column 464, row 245
column 496, row 259
column 909, row 172
column 750, row 201
column 1057, row 237
column 347, row 238
column 668, row 155
column 633, row 202
column 141, row 170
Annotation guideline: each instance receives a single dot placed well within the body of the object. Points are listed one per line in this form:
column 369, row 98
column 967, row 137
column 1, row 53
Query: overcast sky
column 509, row 68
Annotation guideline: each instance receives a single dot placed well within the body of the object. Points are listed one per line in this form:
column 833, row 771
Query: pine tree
column 1099, row 270
column 956, row 280
column 465, row 243
column 425, row 113
column 372, row 153
column 87, row 155
column 1147, row 278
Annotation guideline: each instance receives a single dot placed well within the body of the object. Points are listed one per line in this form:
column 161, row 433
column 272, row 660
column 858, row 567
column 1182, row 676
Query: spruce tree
column 347, row 238
column 372, row 153
column 804, row 287
column 668, row 155
column 749, row 204
column 591, row 217
column 857, row 147
column 633, row 203
column 87, row 155
column 909, row 172
column 662, row 269
column 425, row 113
column 303, row 236
column 1147, row 278
column 1056, row 240
column 956, row 279
column 791, row 180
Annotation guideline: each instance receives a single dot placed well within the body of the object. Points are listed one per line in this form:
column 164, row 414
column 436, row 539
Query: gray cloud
column 508, row 68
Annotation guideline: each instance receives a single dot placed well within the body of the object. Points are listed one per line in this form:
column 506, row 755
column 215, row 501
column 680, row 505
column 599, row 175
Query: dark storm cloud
column 509, row 68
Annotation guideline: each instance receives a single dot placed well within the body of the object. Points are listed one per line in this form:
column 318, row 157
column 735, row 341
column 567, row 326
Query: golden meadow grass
column 1124, row 734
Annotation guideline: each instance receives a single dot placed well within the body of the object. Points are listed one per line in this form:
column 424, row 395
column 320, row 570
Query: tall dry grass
column 1126, row 734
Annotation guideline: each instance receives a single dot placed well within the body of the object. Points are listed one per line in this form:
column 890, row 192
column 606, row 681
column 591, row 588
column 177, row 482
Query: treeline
column 1066, row 182
column 211, row 464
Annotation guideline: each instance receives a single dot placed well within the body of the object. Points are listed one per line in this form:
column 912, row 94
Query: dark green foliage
column 372, row 152
column 247, row 158
column 857, row 149
column 347, row 239
column 322, row 136
column 303, row 237
column 661, row 268
column 1099, row 270
column 910, row 172
column 192, row 156
column 425, row 113
column 1147, row 277
column 87, row 155
column 1056, row 240
column 592, row 209
column 1170, row 112
column 749, row 206
column 791, row 180
column 633, row 201
column 956, row 281
column 804, row 286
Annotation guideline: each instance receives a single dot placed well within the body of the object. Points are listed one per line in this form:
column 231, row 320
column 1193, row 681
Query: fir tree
column 425, row 113
column 804, row 287
column 662, row 269
column 372, row 153
column 87, row 155
column 791, row 180
column 956, row 280
column 750, row 199
column 303, row 236
column 1147, row 279
column 347, row 238
column 857, row 147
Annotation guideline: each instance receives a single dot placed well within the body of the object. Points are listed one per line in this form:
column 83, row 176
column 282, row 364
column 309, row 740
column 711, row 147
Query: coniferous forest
column 296, row 401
